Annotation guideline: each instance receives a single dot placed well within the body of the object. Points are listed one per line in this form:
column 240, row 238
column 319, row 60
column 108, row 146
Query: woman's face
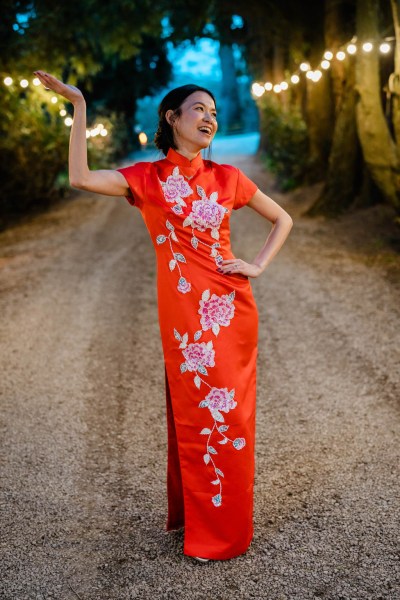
column 197, row 124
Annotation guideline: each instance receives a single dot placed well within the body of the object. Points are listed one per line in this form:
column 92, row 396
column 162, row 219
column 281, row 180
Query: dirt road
column 83, row 433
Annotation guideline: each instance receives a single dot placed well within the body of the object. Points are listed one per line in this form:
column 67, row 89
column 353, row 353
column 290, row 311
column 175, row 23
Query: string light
column 24, row 83
column 350, row 48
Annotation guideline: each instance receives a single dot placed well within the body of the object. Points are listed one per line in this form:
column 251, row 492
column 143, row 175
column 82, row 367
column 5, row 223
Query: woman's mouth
column 206, row 130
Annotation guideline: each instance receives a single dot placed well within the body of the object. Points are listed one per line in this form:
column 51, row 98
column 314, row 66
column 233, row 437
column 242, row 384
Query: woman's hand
column 239, row 266
column 70, row 92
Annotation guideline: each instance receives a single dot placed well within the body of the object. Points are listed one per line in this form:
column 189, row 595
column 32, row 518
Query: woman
column 207, row 313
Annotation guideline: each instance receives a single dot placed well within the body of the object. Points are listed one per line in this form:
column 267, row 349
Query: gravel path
column 83, row 429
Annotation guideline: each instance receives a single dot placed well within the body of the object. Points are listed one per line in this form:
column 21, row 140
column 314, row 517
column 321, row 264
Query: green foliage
column 285, row 134
column 114, row 52
column 34, row 142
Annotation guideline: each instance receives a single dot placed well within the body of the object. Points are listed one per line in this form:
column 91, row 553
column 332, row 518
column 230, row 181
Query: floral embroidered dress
column 209, row 331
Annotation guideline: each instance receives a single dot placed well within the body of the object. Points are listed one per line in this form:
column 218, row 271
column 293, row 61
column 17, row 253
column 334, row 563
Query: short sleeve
column 135, row 176
column 245, row 190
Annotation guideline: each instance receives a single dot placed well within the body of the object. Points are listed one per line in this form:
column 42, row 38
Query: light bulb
column 328, row 55
column 8, row 81
column 384, row 48
column 367, row 46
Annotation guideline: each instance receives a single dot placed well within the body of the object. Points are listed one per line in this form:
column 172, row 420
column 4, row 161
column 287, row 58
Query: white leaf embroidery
column 215, row 328
column 169, row 225
column 224, row 441
column 183, row 367
column 198, row 335
column 215, row 482
column 219, row 472
column 205, row 431
column 223, row 427
column 172, row 264
column 217, row 416
column 160, row 239
column 197, row 381
column 201, row 192
column 205, row 295
column 177, row 209
column 214, row 196
column 212, row 450
column 187, row 221
column 179, row 257
column 177, row 335
column 195, row 242
column 206, row 458
column 174, row 236
column 215, row 233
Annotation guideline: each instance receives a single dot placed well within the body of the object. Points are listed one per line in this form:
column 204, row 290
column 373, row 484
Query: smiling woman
column 208, row 321
column 207, row 313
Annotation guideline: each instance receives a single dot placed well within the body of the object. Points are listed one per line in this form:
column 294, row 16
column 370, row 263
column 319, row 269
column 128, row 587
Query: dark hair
column 164, row 136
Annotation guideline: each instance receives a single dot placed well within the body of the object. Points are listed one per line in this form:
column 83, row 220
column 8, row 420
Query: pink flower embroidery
column 176, row 188
column 239, row 443
column 184, row 285
column 206, row 213
column 199, row 355
column 220, row 399
column 216, row 311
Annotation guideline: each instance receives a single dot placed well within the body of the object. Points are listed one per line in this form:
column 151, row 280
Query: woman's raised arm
column 103, row 181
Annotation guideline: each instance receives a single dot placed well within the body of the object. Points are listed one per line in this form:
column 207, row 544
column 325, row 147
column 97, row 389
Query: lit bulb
column 304, row 66
column 384, row 48
column 24, row 83
column 310, row 74
column 36, row 81
column 351, row 48
column 340, row 55
column 295, row 79
column 284, row 85
column 54, row 99
column 367, row 46
column 257, row 89
column 103, row 132
column 277, row 88
column 317, row 75
column 142, row 138
column 63, row 112
column 268, row 86
column 68, row 121
column 328, row 55
column 325, row 64
column 8, row 81
column 87, row 133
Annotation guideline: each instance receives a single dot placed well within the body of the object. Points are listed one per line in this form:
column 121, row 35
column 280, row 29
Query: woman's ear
column 170, row 117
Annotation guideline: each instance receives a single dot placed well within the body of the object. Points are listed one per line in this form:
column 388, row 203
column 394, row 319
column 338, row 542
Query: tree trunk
column 341, row 179
column 319, row 112
column 379, row 150
column 394, row 80
column 230, row 118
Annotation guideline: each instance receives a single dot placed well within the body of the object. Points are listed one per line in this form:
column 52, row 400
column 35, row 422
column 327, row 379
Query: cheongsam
column 209, row 331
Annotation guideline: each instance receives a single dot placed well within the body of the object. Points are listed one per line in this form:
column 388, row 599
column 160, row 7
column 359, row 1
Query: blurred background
column 311, row 87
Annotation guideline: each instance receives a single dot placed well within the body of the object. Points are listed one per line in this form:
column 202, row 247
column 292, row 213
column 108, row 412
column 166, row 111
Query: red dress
column 209, row 331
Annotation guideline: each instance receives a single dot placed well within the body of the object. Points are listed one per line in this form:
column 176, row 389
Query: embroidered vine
column 215, row 312
column 177, row 257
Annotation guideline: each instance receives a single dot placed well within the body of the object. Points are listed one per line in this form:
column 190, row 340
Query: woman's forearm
column 78, row 162
column 275, row 240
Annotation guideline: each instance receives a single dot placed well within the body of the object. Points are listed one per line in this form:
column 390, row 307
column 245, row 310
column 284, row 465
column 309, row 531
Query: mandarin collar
column 189, row 166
